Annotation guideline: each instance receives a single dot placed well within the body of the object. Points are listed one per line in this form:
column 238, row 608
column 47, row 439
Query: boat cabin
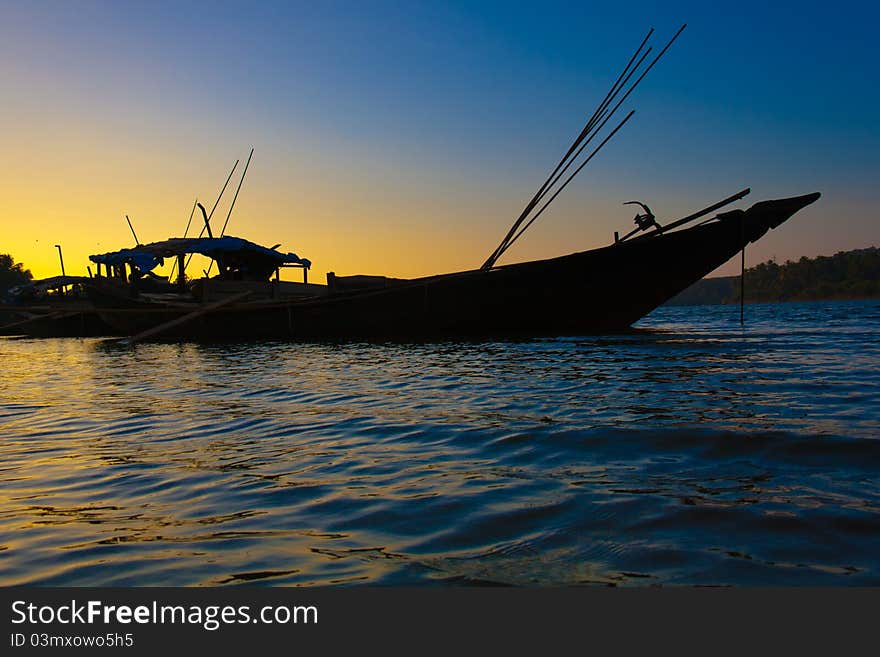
column 236, row 260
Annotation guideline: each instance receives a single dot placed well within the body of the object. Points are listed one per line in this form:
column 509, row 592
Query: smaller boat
column 131, row 299
column 53, row 307
column 242, row 266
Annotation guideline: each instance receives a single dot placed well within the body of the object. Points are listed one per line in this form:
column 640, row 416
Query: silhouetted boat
column 606, row 289
column 602, row 290
column 51, row 308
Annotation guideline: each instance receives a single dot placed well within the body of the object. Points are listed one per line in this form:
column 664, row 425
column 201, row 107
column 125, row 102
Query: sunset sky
column 404, row 138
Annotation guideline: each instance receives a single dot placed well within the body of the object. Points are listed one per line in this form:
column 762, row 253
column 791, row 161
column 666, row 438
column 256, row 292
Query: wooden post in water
column 742, row 286
column 742, row 272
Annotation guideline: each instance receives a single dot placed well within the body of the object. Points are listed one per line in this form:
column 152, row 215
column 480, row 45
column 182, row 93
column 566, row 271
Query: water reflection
column 688, row 451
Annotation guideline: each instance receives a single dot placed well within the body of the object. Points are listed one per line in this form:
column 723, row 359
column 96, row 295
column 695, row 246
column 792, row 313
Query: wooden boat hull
column 602, row 290
column 56, row 322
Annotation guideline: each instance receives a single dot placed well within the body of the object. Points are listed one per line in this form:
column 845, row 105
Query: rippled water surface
column 691, row 451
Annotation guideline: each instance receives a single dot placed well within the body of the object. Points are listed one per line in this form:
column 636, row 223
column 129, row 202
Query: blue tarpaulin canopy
column 146, row 257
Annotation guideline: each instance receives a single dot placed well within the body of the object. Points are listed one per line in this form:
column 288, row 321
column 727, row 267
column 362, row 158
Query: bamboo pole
column 204, row 310
column 602, row 114
column 137, row 242
column 547, row 183
column 237, row 190
column 234, row 199
column 219, row 196
column 569, row 179
column 55, row 315
column 696, row 215
column 604, row 117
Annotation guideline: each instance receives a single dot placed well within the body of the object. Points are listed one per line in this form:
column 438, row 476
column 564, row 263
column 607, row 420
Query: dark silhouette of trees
column 845, row 275
column 12, row 273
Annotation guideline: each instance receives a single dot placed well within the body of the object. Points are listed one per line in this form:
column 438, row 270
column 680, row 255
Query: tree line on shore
column 12, row 273
column 844, row 275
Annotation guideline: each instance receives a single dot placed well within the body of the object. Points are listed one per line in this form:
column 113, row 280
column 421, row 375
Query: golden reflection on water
column 625, row 460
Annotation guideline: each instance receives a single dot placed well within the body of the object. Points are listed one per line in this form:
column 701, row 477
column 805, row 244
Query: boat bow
column 771, row 214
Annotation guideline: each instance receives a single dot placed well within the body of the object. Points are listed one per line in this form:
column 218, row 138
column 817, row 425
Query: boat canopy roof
column 147, row 257
column 45, row 284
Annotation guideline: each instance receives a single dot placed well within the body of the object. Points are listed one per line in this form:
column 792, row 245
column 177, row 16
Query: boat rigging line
column 191, row 212
column 594, row 125
column 598, row 115
column 586, row 130
column 237, row 190
column 208, row 218
column 620, row 102
column 234, row 199
column 604, row 116
column 136, row 240
column 219, row 196
column 569, row 179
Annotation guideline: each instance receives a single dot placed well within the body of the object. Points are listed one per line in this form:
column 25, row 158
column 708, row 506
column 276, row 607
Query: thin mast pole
column 586, row 130
column 606, row 116
column 695, row 215
column 569, row 179
column 234, row 199
column 615, row 88
column 208, row 219
column 185, row 231
column 137, row 242
column 511, row 237
column 63, row 275
column 237, row 190
column 220, row 195
column 61, row 258
column 189, row 221
column 600, row 114
column 625, row 96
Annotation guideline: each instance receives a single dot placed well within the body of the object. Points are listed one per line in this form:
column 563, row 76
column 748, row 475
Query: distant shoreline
column 750, row 302
column 845, row 276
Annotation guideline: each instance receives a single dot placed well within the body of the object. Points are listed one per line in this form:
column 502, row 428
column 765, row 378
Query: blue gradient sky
column 403, row 138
